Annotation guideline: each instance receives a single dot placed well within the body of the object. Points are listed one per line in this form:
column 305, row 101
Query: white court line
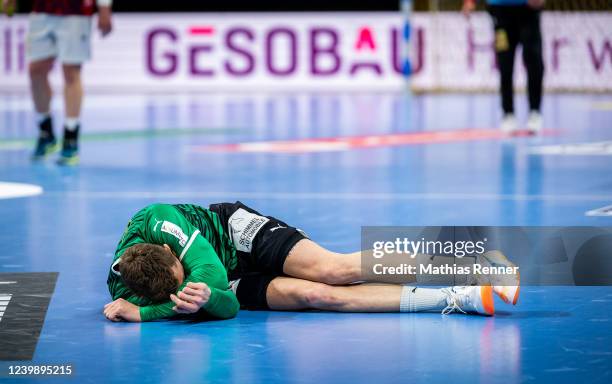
column 598, row 148
column 8, row 282
column 603, row 211
column 324, row 196
column 4, row 300
column 13, row 190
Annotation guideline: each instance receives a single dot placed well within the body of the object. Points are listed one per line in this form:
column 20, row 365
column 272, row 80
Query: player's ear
column 169, row 249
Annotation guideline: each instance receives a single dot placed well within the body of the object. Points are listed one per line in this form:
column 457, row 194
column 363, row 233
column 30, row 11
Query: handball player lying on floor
column 186, row 259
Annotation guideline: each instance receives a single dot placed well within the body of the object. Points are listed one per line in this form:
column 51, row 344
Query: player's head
column 151, row 271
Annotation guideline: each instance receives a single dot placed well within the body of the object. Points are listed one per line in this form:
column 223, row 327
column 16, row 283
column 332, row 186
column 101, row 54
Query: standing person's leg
column 74, row 42
column 73, row 98
column 41, row 96
column 41, row 53
column 39, row 85
column 531, row 40
column 506, row 40
column 73, row 91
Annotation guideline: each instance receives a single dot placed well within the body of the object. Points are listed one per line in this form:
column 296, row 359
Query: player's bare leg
column 308, row 260
column 73, row 90
column 286, row 294
column 41, row 96
column 39, row 84
column 73, row 97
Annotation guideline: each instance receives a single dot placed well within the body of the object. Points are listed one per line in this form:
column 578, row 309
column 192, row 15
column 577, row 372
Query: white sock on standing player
column 40, row 117
column 71, row 123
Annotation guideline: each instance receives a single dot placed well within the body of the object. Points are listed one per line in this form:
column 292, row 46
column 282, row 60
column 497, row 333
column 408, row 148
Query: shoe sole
column 503, row 260
column 49, row 151
column 516, row 295
column 506, row 298
column 488, row 304
column 68, row 161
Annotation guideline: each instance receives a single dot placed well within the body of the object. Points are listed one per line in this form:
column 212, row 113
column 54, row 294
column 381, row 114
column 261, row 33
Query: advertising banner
column 318, row 51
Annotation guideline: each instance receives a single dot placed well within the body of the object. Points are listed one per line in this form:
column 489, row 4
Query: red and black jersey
column 64, row 7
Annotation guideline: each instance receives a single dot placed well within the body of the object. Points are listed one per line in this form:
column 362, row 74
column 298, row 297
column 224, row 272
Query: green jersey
column 197, row 237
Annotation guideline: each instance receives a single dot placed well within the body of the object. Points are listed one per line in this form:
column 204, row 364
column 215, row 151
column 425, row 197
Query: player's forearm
column 118, row 290
column 157, row 311
column 222, row 304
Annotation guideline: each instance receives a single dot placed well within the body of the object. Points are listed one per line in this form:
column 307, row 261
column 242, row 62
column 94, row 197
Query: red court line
column 352, row 142
column 202, row 30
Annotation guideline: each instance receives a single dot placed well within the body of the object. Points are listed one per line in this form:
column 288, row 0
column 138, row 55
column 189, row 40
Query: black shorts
column 262, row 245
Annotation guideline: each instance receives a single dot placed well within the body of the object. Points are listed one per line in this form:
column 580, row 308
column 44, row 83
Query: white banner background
column 292, row 51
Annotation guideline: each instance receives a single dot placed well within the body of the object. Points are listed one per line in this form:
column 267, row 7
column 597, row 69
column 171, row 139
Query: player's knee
column 336, row 273
column 39, row 68
column 72, row 74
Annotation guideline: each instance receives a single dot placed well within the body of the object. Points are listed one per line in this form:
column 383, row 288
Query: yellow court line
column 602, row 105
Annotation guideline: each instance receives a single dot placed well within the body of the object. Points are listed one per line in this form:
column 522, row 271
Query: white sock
column 415, row 299
column 40, row 117
column 71, row 123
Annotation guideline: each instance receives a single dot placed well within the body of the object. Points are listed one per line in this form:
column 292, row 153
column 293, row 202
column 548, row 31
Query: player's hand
column 8, row 6
column 121, row 309
column 536, row 4
column 105, row 24
column 468, row 7
column 191, row 298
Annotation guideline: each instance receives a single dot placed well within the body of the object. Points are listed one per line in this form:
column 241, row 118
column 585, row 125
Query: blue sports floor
column 408, row 160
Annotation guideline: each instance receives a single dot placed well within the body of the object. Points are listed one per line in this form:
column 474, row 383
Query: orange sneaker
column 506, row 287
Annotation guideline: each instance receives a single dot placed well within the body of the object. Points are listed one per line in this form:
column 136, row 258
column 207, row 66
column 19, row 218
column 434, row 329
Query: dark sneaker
column 70, row 148
column 44, row 147
column 46, row 143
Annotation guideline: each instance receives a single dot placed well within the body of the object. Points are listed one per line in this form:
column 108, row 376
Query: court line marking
column 7, row 298
column 595, row 148
column 18, row 144
column 322, row 196
column 344, row 143
column 603, row 211
column 602, row 105
column 14, row 190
